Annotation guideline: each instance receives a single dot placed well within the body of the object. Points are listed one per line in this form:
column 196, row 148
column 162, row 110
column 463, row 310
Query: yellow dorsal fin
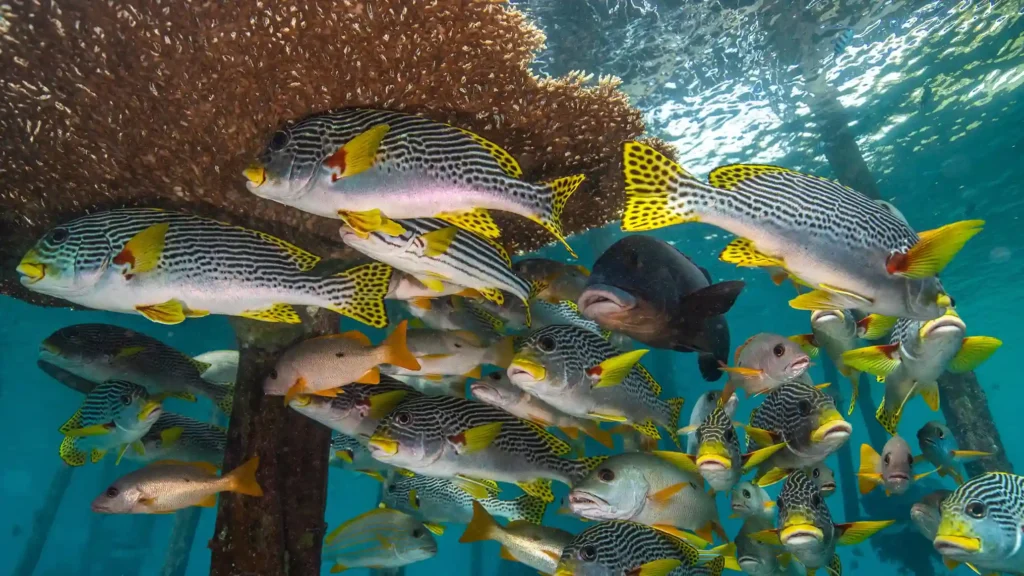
column 478, row 221
column 649, row 379
column 557, row 446
column 505, row 160
column 303, row 260
column 73, row 423
column 729, row 177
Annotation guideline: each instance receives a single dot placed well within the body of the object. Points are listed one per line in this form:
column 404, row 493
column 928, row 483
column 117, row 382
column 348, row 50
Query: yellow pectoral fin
column 432, row 284
column 681, row 460
column 358, row 154
column 773, row 476
column 742, row 252
column 807, row 343
column 754, row 459
column 437, row 242
column 142, row 252
column 930, row 393
column 934, row 249
column 770, row 537
column 170, row 312
column 478, row 437
column 816, row 300
column 665, row 495
column 437, row 529
column 615, row 369
column 382, row 404
column 606, row 417
column 877, row 360
column 857, row 532
column 94, row 430
column 875, row 326
column 974, row 351
column 372, row 376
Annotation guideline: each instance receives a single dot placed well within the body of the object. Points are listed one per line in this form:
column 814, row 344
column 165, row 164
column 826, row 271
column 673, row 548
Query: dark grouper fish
column 169, row 266
column 367, row 166
column 643, row 287
column 855, row 253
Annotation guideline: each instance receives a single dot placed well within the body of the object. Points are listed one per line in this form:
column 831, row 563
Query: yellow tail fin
column 481, row 527
column 363, row 293
column 560, row 189
column 243, row 478
column 396, row 348
column 650, row 178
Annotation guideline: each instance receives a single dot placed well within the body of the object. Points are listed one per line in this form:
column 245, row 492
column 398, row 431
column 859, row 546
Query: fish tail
column 481, row 527
column 659, row 192
column 242, row 480
column 397, row 348
column 222, row 395
column 529, row 508
column 593, row 429
column 359, row 293
column 555, row 193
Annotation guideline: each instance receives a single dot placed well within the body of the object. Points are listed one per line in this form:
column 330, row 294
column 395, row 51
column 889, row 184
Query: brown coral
column 109, row 103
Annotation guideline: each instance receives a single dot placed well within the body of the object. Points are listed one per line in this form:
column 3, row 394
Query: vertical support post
column 44, row 521
column 281, row 533
column 179, row 548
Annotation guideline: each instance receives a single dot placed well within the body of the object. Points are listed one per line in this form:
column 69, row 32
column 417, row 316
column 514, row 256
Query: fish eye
column 59, row 235
column 111, row 492
column 605, row 475
column 457, row 344
column 815, row 500
column 273, row 374
column 711, row 396
column 546, row 343
column 417, row 533
column 888, row 458
column 976, row 510
column 339, row 354
column 403, row 418
column 804, row 407
column 126, row 399
column 391, row 488
column 588, row 553
column 816, row 473
column 746, row 493
column 779, row 350
column 278, row 140
column 941, row 434
column 494, row 376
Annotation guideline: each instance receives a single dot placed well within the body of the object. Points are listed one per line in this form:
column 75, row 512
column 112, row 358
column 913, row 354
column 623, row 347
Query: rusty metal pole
column 280, row 534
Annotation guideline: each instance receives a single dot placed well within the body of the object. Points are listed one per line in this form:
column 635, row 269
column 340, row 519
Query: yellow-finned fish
column 350, row 453
column 367, row 166
column 380, row 538
column 558, row 281
column 436, row 501
column 854, row 252
column 981, row 522
column 358, row 410
column 893, row 469
column 939, row 447
column 114, row 415
column 764, row 362
column 537, row 546
column 168, row 485
column 453, row 353
column 169, row 266
column 177, row 437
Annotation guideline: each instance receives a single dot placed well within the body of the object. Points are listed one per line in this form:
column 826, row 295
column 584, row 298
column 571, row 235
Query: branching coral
column 163, row 103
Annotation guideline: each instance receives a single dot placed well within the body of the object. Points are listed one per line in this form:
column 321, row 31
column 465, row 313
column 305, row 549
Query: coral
column 163, row 103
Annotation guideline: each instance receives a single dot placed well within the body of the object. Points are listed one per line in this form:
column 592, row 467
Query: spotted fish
column 450, row 437
column 436, row 501
column 939, row 447
column 981, row 523
column 177, row 437
column 852, row 251
column 358, row 410
column 355, row 164
column 917, row 354
column 169, row 266
column 351, row 453
column 114, row 415
column 101, row 352
column 581, row 374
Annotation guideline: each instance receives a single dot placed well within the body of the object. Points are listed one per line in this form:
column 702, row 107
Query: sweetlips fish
column 435, row 384
column 452, row 353
column 750, row 500
column 752, row 503
column 927, row 513
column 806, row 530
column 893, row 468
column 463, row 439
column 101, row 352
column 824, row 477
column 559, row 281
column 650, row 488
column 764, row 362
column 369, row 166
column 581, row 374
column 918, row 353
column 356, row 412
column 838, row 332
column 624, row 547
column 537, row 546
column 69, row 379
column 803, row 417
column 324, row 364
column 167, row 486
column 455, row 313
column 939, row 447
column 435, row 251
column 980, row 524
column 114, row 415
column 177, row 437
column 408, row 288
column 169, row 266
column 497, row 390
column 702, row 408
column 643, row 287
column 436, row 501
column 350, row 453
column 853, row 252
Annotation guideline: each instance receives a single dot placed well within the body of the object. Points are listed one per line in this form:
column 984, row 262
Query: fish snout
column 382, row 446
column 832, row 430
column 801, row 534
column 600, row 300
column 31, row 270
column 956, row 545
column 582, row 503
column 526, row 371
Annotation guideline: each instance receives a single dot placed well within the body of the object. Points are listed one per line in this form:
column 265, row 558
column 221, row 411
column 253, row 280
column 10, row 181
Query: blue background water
column 933, row 92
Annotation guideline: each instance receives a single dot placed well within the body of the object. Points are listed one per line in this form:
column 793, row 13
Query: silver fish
column 981, row 522
column 114, row 415
column 167, row 486
column 380, row 538
column 537, row 546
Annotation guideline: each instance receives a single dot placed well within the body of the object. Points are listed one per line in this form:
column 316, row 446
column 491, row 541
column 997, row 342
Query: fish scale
column 348, row 412
column 211, row 266
column 780, row 414
column 440, row 500
column 622, row 546
column 198, row 440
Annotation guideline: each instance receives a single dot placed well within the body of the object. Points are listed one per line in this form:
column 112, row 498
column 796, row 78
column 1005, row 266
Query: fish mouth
column 801, row 534
column 832, row 430
column 828, row 487
column 947, row 545
column 799, row 366
column 899, row 477
column 256, row 175
column 523, row 370
column 99, row 508
column 950, row 322
column 827, row 316
column 31, row 270
column 581, row 502
column 713, row 463
column 599, row 300
column 382, row 446
column 148, row 409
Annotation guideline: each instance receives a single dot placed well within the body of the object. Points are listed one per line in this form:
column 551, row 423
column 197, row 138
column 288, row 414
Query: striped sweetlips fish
column 369, row 166
column 177, row 437
column 451, row 437
column 169, row 266
column 854, row 252
column 114, row 415
column 981, row 524
column 436, row 252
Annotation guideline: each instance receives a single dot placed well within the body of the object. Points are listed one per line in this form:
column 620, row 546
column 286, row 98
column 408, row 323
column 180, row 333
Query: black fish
column 643, row 287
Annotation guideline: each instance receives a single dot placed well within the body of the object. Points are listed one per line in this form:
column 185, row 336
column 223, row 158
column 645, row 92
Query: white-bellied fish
column 221, row 366
column 806, row 530
column 893, row 469
column 450, row 437
column 852, row 251
column 437, row 501
column 643, row 287
column 406, row 287
column 177, row 437
column 622, row 547
column 939, row 447
column 559, row 281
column 351, row 453
column 981, row 524
column 544, row 313
column 435, row 251
column 380, row 538
column 434, row 384
column 927, row 513
column 649, row 488
column 918, row 353
column 324, row 364
column 356, row 412
column 581, row 374
column 368, row 166
column 706, row 404
column 167, row 485
column 114, row 415
column 803, row 417
column 169, row 266
column 101, row 352
column 497, row 390
column 719, row 458
column 764, row 362
column 838, row 332
column 824, row 477
column 455, row 313
column 453, row 353
column 750, row 500
column 536, row 546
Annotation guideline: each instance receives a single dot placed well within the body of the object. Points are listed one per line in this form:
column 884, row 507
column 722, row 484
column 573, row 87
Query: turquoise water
column 932, row 95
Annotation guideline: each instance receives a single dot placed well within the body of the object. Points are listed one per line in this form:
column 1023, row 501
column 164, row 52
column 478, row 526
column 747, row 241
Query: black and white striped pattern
column 349, row 412
column 109, row 401
column 441, row 500
column 198, row 440
column 621, row 546
column 1001, row 494
column 791, row 411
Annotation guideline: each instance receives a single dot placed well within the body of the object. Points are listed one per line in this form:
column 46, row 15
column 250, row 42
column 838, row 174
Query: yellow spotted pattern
column 504, row 159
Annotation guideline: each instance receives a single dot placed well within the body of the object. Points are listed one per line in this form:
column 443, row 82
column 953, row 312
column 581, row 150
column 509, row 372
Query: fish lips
column 956, row 545
column 801, row 535
column 587, row 505
column 601, row 300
